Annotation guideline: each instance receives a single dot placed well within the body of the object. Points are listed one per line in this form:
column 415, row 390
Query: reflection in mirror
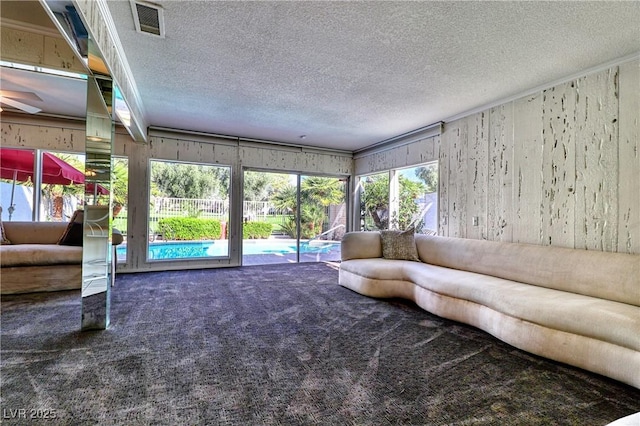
column 104, row 104
column 96, row 256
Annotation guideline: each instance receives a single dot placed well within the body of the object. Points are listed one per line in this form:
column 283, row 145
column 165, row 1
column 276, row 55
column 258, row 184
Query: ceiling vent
column 148, row 17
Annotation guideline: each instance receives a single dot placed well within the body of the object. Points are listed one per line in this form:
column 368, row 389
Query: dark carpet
column 277, row 345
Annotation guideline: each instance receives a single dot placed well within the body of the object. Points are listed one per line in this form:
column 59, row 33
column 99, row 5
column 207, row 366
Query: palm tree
column 316, row 194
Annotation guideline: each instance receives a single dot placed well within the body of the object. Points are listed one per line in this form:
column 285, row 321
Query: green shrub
column 310, row 229
column 189, row 228
column 255, row 230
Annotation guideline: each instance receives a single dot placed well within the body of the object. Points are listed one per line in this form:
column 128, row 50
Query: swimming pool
column 220, row 248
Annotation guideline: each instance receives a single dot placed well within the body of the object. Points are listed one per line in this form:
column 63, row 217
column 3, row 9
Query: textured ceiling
column 350, row 74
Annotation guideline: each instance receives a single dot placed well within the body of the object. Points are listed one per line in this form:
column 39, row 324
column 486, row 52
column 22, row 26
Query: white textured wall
column 47, row 50
column 560, row 167
column 54, row 134
column 406, row 155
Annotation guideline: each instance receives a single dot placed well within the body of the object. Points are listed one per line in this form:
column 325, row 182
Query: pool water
column 220, row 248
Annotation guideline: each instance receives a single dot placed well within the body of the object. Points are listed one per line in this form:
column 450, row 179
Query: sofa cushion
column 612, row 276
column 378, row 268
column 399, row 245
column 360, row 245
column 34, row 232
column 73, row 235
column 39, row 254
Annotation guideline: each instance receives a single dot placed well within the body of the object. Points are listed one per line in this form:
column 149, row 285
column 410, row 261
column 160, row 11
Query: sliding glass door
column 323, row 217
column 269, row 218
column 418, row 204
column 290, row 218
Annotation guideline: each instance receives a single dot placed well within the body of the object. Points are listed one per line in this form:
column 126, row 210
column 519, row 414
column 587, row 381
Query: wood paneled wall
column 54, row 134
column 46, row 49
column 410, row 154
column 560, row 167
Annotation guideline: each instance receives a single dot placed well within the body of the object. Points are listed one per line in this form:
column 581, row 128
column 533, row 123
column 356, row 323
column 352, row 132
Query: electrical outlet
column 475, row 221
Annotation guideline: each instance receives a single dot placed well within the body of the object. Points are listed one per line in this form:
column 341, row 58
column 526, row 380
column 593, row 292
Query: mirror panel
column 96, row 255
column 104, row 104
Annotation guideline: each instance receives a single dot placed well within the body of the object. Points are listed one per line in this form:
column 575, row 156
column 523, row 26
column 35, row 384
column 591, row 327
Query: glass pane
column 269, row 218
column 62, row 189
column 120, row 189
column 374, row 202
column 418, row 204
column 16, row 186
column 189, row 211
column 323, row 218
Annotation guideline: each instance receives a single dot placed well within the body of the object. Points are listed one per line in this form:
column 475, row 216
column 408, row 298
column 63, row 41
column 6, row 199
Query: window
column 61, row 190
column 400, row 199
column 374, row 202
column 284, row 224
column 418, row 198
column 189, row 211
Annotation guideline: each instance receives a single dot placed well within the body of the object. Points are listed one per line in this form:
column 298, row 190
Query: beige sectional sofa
column 34, row 261
column 579, row 307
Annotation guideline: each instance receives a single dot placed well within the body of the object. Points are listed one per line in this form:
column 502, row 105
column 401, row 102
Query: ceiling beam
column 99, row 23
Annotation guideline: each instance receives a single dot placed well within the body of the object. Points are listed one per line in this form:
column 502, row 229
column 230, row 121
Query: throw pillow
column 73, row 235
column 399, row 245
